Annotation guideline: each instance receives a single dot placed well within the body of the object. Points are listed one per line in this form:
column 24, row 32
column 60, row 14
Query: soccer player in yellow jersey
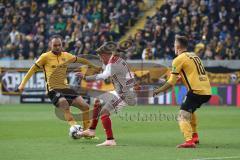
column 190, row 68
column 54, row 64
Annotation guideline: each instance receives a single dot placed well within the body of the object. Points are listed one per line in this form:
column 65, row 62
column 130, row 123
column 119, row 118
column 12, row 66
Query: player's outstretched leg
column 194, row 128
column 64, row 106
column 107, row 125
column 184, row 119
column 84, row 107
column 96, row 111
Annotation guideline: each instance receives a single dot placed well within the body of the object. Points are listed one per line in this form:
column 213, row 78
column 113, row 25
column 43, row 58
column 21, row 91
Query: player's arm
column 75, row 59
column 29, row 74
column 86, row 62
column 171, row 82
column 102, row 76
column 31, row 71
column 176, row 68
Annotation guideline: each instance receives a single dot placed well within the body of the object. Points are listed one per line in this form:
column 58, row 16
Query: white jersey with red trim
column 119, row 72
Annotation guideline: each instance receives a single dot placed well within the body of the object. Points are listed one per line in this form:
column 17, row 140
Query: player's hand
column 97, row 69
column 80, row 75
column 90, row 78
column 137, row 87
column 20, row 89
column 93, row 70
column 156, row 92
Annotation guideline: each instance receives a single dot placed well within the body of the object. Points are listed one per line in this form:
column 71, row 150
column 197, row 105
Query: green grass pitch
column 33, row 132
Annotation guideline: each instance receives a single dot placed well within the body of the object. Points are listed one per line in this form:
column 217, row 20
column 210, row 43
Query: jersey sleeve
column 74, row 59
column 41, row 61
column 173, row 79
column 71, row 58
column 106, row 73
column 29, row 74
column 177, row 65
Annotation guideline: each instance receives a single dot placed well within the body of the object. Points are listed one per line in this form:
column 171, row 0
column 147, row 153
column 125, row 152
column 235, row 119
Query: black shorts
column 194, row 101
column 67, row 93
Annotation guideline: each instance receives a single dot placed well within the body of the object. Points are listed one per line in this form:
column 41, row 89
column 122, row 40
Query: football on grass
column 74, row 131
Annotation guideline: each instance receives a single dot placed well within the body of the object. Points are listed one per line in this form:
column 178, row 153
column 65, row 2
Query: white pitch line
column 218, row 158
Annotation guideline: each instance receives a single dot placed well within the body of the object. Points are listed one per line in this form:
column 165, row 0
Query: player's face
column 104, row 58
column 176, row 47
column 56, row 45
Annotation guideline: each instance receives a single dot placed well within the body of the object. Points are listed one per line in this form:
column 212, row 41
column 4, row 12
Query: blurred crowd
column 212, row 26
column 27, row 25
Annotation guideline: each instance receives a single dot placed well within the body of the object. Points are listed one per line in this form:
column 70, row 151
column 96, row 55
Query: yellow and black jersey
column 192, row 72
column 55, row 69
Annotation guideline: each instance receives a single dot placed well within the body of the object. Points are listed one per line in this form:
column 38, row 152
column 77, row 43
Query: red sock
column 96, row 110
column 107, row 125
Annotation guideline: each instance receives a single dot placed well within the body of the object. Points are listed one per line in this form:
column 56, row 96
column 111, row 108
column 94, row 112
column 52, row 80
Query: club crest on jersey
column 174, row 69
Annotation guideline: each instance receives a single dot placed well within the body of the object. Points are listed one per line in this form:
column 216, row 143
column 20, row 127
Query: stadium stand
column 213, row 26
column 25, row 26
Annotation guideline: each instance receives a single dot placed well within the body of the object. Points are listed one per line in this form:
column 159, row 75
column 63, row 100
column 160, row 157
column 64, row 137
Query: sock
column 86, row 121
column 186, row 129
column 194, row 123
column 107, row 125
column 96, row 110
column 69, row 118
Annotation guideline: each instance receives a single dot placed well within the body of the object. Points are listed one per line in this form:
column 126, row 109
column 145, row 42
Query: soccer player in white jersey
column 118, row 71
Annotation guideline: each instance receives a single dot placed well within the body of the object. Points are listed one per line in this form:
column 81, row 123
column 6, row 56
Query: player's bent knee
column 184, row 116
column 96, row 101
column 80, row 103
column 85, row 108
column 104, row 111
column 63, row 103
column 62, row 100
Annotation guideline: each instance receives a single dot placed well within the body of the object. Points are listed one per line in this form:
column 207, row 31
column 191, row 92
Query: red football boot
column 187, row 144
column 195, row 138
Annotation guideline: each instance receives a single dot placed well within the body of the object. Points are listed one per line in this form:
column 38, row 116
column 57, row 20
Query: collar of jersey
column 56, row 54
column 110, row 58
column 184, row 51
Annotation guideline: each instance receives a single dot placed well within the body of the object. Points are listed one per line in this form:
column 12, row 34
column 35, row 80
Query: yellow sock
column 194, row 123
column 69, row 118
column 186, row 128
column 86, row 121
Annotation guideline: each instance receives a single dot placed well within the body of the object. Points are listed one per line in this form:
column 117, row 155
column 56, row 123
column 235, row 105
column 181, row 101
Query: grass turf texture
column 31, row 131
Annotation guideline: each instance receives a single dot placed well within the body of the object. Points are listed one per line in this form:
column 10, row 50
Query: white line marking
column 218, row 158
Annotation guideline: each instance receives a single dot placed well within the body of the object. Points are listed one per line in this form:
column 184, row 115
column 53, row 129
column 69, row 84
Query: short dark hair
column 107, row 48
column 56, row 36
column 182, row 40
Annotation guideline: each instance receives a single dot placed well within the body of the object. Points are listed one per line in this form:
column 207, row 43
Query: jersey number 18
column 199, row 66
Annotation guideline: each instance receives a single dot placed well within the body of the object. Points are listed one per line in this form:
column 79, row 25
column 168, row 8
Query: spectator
column 90, row 22
column 215, row 24
column 88, row 49
column 13, row 35
column 138, row 47
column 78, row 48
column 207, row 23
column 67, row 10
column 149, row 53
column 208, row 53
column 60, row 25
